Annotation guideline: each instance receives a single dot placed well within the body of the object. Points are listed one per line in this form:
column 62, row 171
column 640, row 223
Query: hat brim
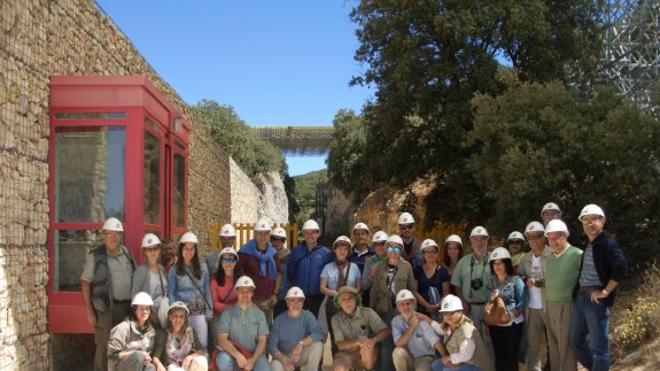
column 358, row 299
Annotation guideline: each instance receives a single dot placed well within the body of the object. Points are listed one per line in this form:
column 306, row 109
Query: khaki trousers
column 537, row 341
column 403, row 361
column 558, row 321
column 310, row 358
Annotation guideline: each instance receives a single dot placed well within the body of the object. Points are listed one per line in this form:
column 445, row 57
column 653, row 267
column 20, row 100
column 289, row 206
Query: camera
column 539, row 283
column 476, row 284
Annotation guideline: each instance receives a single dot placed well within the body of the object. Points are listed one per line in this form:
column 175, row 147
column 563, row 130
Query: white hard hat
column 450, row 303
column 113, row 224
column 550, row 206
column 591, row 209
column 394, row 239
column 379, row 236
column 515, row 235
column 556, row 225
column 406, row 218
column 534, row 227
column 341, row 239
column 178, row 305
column 499, row 253
column 227, row 230
column 228, row 250
column 263, row 225
column 479, row 231
column 189, row 237
column 244, row 281
column 295, row 292
column 142, row 298
column 311, row 225
column 362, row 226
column 428, row 243
column 404, row 295
column 454, row 238
column 278, row 232
column 150, row 240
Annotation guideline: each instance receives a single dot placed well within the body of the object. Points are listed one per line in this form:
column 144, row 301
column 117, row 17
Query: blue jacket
column 305, row 267
column 610, row 262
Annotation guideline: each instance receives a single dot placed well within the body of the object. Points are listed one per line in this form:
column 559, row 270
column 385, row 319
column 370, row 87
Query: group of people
column 386, row 301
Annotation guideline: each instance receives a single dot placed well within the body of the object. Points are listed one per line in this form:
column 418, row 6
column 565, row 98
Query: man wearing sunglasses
column 411, row 245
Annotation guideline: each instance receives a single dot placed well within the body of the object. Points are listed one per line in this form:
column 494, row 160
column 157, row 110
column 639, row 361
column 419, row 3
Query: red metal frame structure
column 132, row 109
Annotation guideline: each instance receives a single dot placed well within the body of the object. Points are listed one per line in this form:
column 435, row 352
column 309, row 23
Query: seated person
column 177, row 347
column 414, row 339
column 242, row 332
column 296, row 339
column 463, row 342
column 358, row 331
column 131, row 342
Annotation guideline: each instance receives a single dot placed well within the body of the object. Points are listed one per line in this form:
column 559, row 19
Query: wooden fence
column 245, row 232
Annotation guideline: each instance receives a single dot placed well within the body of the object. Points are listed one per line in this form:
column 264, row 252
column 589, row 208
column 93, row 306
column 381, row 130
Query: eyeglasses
column 276, row 239
column 228, row 260
column 392, row 248
column 406, row 227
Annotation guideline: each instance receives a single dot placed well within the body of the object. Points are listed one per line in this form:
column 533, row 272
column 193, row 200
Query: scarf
column 341, row 282
column 266, row 259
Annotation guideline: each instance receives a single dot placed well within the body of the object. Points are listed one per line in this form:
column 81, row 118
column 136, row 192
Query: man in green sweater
column 561, row 273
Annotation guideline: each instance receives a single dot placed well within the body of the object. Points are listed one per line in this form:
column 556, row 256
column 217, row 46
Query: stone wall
column 38, row 39
column 249, row 201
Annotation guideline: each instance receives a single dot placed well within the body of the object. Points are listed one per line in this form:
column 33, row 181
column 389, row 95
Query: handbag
column 495, row 313
column 196, row 303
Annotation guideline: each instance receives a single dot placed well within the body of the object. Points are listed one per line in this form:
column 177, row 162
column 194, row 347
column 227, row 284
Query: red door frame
column 137, row 98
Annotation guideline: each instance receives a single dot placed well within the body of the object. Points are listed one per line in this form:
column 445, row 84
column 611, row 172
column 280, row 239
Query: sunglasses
column 228, row 260
column 393, row 248
column 274, row 239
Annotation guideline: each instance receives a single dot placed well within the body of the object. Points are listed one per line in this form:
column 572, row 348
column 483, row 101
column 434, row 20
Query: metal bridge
column 298, row 140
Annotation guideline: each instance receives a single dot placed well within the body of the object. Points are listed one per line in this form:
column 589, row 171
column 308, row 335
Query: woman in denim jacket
column 188, row 282
column 509, row 287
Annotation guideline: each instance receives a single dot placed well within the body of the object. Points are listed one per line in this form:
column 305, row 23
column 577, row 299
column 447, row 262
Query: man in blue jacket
column 305, row 265
column 603, row 268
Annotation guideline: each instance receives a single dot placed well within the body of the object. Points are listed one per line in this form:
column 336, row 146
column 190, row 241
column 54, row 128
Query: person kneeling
column 414, row 339
column 296, row 339
column 463, row 342
column 358, row 330
column 177, row 347
column 242, row 332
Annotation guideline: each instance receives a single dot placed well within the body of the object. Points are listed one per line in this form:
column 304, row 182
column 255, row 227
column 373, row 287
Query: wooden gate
column 245, row 232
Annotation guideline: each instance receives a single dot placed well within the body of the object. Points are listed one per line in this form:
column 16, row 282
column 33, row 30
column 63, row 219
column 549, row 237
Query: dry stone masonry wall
column 250, row 202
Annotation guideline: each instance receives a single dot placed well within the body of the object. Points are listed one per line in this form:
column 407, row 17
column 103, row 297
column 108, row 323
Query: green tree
column 253, row 154
column 536, row 143
column 347, row 152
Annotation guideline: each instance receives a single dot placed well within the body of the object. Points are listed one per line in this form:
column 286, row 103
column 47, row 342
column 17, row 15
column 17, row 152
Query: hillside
column 305, row 193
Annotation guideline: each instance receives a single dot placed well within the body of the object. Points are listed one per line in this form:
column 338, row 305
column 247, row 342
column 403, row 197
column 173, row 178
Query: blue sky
column 277, row 62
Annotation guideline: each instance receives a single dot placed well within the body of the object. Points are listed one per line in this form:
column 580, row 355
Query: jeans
column 592, row 319
column 438, row 366
column 226, row 362
column 200, row 326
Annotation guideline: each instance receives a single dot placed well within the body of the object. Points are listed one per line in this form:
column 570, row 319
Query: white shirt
column 535, row 293
column 465, row 350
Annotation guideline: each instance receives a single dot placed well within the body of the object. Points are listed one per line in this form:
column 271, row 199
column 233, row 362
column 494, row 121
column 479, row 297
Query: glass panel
column 71, row 248
column 90, row 115
column 152, row 186
column 179, row 191
column 89, row 173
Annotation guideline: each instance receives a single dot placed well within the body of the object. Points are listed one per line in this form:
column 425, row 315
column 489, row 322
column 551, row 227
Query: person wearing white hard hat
column 361, row 250
column 131, row 342
column 242, row 332
column 259, row 260
column 462, row 340
column 411, row 246
column 105, row 283
column 188, row 281
column 561, row 273
column 223, row 294
column 453, row 254
column 508, row 287
column 177, row 348
column 358, row 333
column 380, row 255
column 151, row 278
column 336, row 275
column 603, row 269
column 296, row 339
column 278, row 240
column 305, row 265
column 530, row 270
column 227, row 237
column 431, row 279
column 415, row 341
column 472, row 275
column 549, row 212
column 515, row 243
